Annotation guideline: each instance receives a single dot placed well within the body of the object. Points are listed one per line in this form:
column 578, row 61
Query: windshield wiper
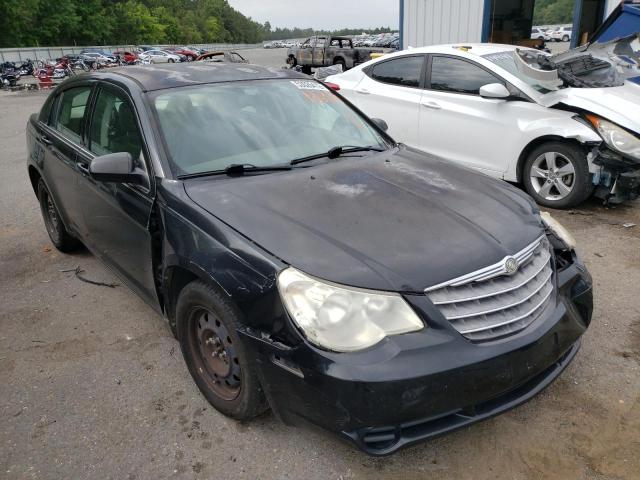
column 335, row 152
column 235, row 170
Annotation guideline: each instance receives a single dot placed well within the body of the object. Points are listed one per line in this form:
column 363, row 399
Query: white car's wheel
column 565, row 38
column 556, row 174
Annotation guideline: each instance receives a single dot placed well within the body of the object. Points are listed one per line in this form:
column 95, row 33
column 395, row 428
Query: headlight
column 616, row 137
column 558, row 230
column 340, row 318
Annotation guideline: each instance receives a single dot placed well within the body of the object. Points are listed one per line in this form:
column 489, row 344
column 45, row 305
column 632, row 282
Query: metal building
column 431, row 22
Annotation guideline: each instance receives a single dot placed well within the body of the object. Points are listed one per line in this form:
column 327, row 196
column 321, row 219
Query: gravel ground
column 94, row 386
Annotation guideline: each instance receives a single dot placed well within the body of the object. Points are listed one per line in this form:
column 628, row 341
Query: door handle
column 83, row 168
column 363, row 91
column 46, row 140
column 432, row 105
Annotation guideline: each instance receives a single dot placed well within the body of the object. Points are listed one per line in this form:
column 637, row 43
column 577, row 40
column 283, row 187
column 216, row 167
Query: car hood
column 618, row 104
column 398, row 220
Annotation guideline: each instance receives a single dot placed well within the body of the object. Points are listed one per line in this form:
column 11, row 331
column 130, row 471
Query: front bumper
column 419, row 385
column 618, row 178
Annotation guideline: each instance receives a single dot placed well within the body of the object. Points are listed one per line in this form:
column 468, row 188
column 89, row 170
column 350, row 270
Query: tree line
column 549, row 12
column 28, row 23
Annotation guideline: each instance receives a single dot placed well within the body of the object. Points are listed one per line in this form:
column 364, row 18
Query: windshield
column 261, row 123
column 506, row 60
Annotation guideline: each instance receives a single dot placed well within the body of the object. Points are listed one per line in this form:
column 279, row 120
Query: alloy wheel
column 553, row 176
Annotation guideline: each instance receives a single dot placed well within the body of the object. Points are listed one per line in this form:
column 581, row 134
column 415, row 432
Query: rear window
column 70, row 118
column 403, row 71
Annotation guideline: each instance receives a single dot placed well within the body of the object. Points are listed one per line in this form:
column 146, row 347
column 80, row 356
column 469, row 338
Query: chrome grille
column 489, row 303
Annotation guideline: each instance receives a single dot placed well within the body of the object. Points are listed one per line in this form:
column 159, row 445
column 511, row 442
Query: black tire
column 292, row 62
column 171, row 60
column 565, row 38
column 227, row 380
column 306, row 70
column 60, row 237
column 555, row 185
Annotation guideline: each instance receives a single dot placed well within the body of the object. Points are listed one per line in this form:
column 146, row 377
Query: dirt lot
column 94, row 386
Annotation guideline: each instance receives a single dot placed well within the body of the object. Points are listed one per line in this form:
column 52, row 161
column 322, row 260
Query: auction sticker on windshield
column 308, row 85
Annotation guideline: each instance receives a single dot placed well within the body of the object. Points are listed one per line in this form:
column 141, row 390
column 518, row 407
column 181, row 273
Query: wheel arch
column 34, row 178
column 535, row 143
column 176, row 277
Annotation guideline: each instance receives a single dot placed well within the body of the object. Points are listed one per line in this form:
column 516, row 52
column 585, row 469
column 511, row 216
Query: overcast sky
column 321, row 14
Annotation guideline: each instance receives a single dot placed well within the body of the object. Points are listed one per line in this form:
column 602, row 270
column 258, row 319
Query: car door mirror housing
column 381, row 124
column 117, row 168
column 495, row 90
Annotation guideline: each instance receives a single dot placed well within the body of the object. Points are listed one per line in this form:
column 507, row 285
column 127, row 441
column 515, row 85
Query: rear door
column 116, row 216
column 62, row 138
column 305, row 52
column 318, row 51
column 391, row 90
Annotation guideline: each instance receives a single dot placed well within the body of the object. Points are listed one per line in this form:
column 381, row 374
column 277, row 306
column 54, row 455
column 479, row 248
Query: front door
column 457, row 124
column 116, row 216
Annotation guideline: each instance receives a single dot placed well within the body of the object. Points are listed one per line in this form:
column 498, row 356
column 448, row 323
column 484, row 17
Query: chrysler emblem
column 511, row 265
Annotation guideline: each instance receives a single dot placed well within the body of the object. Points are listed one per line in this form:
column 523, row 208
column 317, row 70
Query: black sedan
column 305, row 261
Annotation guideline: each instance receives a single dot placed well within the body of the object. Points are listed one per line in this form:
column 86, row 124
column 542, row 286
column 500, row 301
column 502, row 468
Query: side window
column 114, row 128
column 458, row 76
column 73, row 104
column 404, row 71
column 320, row 42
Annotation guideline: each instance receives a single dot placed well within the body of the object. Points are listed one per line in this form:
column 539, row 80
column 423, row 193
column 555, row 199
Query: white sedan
column 560, row 131
column 159, row 56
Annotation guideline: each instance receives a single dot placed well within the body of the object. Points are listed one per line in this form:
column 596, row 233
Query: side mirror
column 117, row 168
column 494, row 90
column 381, row 124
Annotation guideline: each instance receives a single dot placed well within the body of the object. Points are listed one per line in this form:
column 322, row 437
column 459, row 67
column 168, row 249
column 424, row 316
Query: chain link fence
column 47, row 53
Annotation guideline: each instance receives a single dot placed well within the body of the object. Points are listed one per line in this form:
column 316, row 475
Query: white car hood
column 620, row 105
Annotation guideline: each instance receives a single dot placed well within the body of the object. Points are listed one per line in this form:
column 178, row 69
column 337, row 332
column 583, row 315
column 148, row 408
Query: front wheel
column 171, row 60
column 215, row 355
column 565, row 38
column 556, row 175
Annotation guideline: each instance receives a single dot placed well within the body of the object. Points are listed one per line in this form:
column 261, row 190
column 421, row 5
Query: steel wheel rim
column 553, row 176
column 215, row 355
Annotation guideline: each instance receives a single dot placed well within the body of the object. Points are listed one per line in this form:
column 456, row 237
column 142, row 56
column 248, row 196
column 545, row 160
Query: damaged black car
column 306, row 261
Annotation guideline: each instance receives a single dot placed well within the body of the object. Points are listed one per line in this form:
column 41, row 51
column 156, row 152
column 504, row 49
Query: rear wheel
column 556, row 174
column 60, row 237
column 171, row 60
column 215, row 354
column 565, row 38
column 340, row 61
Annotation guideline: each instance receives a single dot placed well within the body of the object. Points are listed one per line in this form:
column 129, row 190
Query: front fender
column 553, row 128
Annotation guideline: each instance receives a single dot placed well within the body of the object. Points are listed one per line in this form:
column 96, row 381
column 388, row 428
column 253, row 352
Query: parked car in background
column 562, row 34
column 305, row 261
column 324, row 50
column 99, row 51
column 126, row 56
column 485, row 106
column 97, row 60
column 188, row 54
column 230, row 57
column 539, row 34
column 159, row 56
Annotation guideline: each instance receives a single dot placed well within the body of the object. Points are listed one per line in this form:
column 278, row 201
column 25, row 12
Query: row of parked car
column 559, row 33
column 142, row 54
column 383, row 40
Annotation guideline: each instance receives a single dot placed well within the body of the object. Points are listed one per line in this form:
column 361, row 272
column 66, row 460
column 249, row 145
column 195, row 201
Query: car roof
column 173, row 75
column 472, row 48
